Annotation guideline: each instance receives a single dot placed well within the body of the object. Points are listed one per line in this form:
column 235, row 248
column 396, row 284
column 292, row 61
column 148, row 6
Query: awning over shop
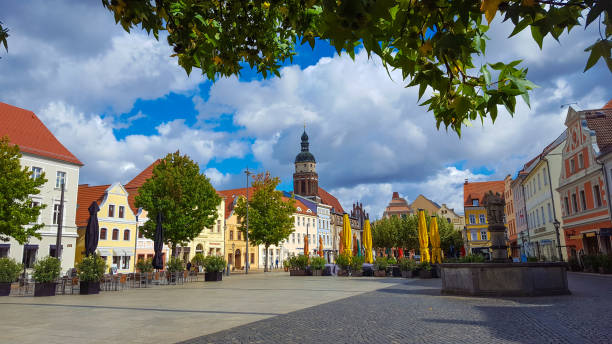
column 590, row 235
column 123, row 251
column 545, row 242
column 104, row 252
column 5, row 245
column 575, row 237
column 605, row 232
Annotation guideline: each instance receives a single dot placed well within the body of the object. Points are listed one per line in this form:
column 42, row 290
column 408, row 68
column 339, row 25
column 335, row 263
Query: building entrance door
column 237, row 260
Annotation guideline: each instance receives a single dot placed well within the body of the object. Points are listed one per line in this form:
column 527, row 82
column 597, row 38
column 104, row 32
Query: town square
column 305, row 171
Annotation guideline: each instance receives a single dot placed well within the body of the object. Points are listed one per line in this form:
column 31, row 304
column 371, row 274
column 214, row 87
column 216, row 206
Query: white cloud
column 108, row 159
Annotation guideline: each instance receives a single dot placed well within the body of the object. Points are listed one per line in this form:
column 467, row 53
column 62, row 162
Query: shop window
column 29, row 255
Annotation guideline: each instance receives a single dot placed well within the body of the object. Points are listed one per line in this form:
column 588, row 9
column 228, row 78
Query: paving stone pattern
column 414, row 312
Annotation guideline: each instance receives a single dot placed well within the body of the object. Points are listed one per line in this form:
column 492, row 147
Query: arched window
column 303, row 188
column 126, row 235
column 102, row 233
column 115, row 234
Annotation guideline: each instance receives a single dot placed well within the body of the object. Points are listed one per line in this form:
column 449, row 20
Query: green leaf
column 537, row 35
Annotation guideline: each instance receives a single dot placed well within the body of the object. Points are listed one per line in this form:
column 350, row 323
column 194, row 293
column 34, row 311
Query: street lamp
column 557, row 224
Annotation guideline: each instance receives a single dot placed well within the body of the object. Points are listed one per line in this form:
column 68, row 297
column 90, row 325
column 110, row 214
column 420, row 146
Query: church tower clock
column 305, row 178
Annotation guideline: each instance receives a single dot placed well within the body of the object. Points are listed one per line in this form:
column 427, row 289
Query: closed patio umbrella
column 320, row 246
column 355, row 245
column 158, row 243
column 306, row 253
column 341, row 249
column 434, row 233
column 346, row 235
column 423, row 237
column 400, row 253
column 92, row 232
column 367, row 242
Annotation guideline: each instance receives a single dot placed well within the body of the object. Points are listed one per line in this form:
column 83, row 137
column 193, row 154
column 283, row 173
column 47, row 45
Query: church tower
column 305, row 178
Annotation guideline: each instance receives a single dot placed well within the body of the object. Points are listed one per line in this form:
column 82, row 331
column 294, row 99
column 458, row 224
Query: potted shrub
column 605, row 264
column 393, row 268
column 316, row 265
column 298, row 265
column 425, row 270
column 357, row 266
column 344, row 262
column 91, row 270
column 198, row 260
column 574, row 264
column 174, row 266
column 286, row 265
column 46, row 272
column 380, row 266
column 214, row 266
column 407, row 267
column 9, row 273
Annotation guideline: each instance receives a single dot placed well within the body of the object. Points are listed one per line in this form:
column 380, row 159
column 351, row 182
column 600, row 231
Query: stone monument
column 494, row 203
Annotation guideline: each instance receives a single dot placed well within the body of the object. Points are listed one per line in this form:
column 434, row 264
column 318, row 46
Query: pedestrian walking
column 277, row 263
column 188, row 266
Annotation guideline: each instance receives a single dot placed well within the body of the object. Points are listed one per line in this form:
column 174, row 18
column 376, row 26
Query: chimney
column 466, row 181
column 396, row 195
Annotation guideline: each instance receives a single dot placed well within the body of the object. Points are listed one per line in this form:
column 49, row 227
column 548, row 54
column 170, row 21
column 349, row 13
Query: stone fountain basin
column 504, row 279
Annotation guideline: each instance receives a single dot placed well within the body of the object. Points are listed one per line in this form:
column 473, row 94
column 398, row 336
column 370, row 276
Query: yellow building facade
column 477, row 236
column 117, row 224
column 210, row 241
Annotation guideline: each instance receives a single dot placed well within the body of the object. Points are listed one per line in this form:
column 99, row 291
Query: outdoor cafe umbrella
column 367, row 242
column 355, row 245
column 158, row 243
column 92, row 233
column 320, row 246
column 434, row 233
column 423, row 238
column 346, row 235
column 341, row 242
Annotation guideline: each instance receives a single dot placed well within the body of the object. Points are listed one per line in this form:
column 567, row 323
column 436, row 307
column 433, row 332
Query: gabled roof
column 86, row 195
column 328, row 199
column 26, row 130
column 476, row 190
column 601, row 122
column 142, row 177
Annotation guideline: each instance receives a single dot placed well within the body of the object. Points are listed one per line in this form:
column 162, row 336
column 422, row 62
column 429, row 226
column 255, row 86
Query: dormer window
column 474, row 202
column 299, row 209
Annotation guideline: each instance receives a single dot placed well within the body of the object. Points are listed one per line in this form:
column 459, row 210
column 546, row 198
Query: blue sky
column 118, row 101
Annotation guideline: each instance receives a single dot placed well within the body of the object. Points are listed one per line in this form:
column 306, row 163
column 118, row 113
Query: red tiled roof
column 86, row 195
column 142, row 177
column 601, row 122
column 608, row 105
column 231, row 195
column 328, row 199
column 476, row 190
column 27, row 131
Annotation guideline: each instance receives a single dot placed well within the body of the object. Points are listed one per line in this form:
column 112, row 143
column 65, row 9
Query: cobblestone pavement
column 414, row 312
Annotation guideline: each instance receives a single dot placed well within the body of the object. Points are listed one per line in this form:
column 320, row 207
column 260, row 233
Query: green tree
column 449, row 236
column 17, row 212
column 270, row 216
column 436, row 44
column 183, row 195
column 408, row 234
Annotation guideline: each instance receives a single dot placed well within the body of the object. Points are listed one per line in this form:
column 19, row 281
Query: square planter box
column 5, row 289
column 380, row 273
column 317, row 272
column 425, row 273
column 213, row 276
column 357, row 273
column 297, row 272
column 343, row 273
column 89, row 288
column 367, row 271
column 44, row 289
column 327, row 271
column 396, row 272
column 409, row 274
